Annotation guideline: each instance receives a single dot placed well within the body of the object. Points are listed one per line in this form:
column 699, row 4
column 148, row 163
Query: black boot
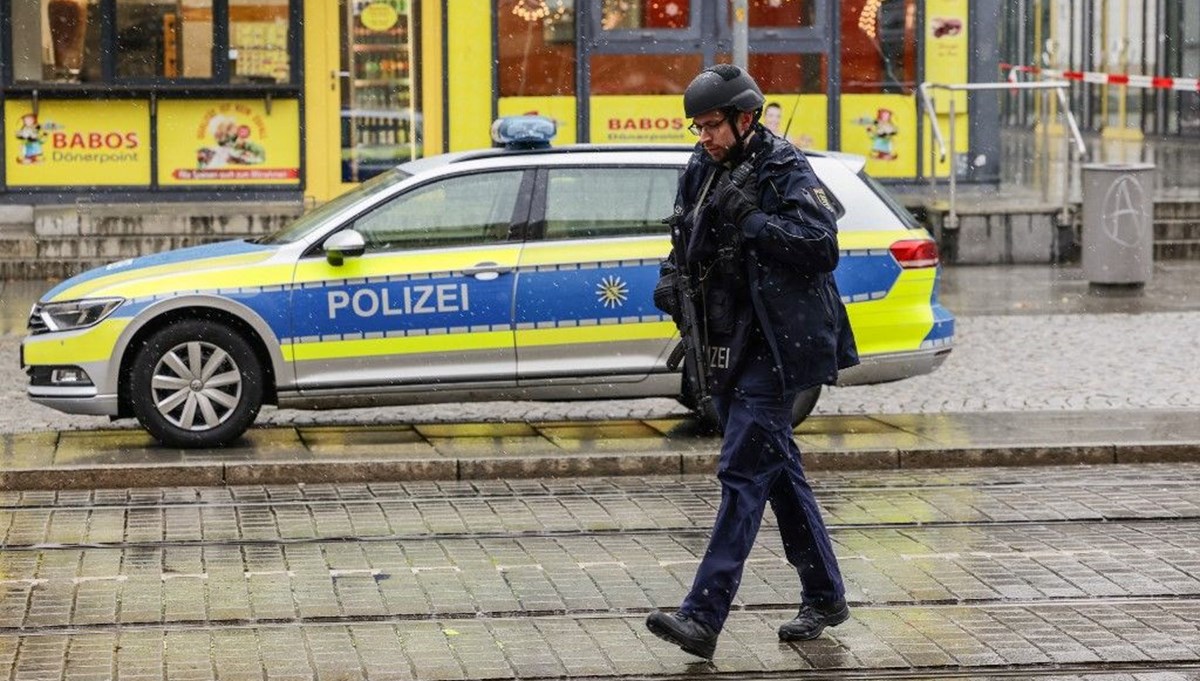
column 692, row 636
column 812, row 620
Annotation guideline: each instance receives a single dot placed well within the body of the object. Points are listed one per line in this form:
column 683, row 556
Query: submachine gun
column 683, row 293
column 684, row 289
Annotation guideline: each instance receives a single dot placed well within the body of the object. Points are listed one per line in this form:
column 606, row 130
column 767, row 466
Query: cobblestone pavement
column 1065, row 573
column 1000, row 363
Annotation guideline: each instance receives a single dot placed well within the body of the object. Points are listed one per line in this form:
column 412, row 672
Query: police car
column 504, row 273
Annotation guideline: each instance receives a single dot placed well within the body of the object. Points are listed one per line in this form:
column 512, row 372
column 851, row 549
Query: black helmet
column 723, row 86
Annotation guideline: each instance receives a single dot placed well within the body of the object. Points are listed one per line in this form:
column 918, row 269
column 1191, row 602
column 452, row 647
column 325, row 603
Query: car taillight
column 915, row 253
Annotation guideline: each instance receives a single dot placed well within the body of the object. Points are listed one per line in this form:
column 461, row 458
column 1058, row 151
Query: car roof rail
column 497, row 152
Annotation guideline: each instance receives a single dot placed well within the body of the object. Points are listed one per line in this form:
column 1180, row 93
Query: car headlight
column 77, row 314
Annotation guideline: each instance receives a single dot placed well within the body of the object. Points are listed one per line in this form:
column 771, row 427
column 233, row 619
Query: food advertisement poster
column 649, row 119
column 77, row 143
column 234, row 142
column 946, row 41
column 803, row 119
column 883, row 129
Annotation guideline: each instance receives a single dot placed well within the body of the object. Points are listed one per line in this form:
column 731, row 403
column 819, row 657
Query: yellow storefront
column 140, row 100
column 836, row 74
column 302, row 99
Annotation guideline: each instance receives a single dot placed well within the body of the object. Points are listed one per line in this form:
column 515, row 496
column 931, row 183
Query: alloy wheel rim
column 196, row 386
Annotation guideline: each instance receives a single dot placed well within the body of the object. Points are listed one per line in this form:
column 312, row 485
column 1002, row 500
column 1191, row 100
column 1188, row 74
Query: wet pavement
column 1063, row 290
column 489, row 451
column 1071, row 572
column 1028, row 511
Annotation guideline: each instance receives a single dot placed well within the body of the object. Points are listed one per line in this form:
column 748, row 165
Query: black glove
column 736, row 200
column 664, row 294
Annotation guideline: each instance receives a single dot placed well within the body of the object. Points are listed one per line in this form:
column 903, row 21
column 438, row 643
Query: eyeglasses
column 710, row 128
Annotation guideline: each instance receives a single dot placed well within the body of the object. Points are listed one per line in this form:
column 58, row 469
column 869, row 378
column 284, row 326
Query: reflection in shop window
column 55, row 40
column 537, row 47
column 60, row 40
column 258, row 41
column 164, row 39
column 785, row 72
column 781, row 13
column 618, row 15
column 381, row 117
column 643, row 74
column 879, row 39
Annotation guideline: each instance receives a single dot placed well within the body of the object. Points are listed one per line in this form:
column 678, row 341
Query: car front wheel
column 196, row 384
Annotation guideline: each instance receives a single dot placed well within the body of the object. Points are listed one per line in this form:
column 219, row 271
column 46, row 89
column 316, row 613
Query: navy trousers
column 760, row 462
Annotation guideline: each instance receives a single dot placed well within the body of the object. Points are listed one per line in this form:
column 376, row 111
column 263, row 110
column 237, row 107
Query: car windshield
column 314, row 218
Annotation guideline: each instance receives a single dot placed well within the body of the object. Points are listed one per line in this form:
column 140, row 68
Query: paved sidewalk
column 473, row 451
column 1066, row 572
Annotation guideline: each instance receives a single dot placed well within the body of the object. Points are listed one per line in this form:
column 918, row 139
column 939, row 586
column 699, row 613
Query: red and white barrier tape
column 1095, row 77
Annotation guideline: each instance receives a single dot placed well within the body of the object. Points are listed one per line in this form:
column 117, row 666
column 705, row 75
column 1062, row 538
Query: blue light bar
column 523, row 132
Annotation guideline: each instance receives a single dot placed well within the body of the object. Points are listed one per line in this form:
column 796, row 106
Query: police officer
column 763, row 250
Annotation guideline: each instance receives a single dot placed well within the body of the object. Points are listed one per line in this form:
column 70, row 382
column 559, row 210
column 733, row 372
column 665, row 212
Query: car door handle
column 487, row 271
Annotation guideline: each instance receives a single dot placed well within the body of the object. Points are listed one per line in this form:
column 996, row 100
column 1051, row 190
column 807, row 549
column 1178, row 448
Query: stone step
column 112, row 248
column 1174, row 230
column 61, row 241
column 17, row 247
column 200, row 220
column 50, row 258
column 1184, row 249
column 1176, row 210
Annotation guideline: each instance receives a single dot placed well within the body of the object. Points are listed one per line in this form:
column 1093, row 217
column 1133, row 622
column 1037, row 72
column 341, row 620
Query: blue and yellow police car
column 495, row 274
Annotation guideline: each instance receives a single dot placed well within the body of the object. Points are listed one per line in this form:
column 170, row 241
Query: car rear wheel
column 805, row 402
column 196, row 384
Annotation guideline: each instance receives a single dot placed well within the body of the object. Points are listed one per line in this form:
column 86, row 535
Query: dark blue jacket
column 789, row 251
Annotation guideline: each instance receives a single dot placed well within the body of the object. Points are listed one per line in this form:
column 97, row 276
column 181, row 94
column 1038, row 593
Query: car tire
column 196, row 384
column 805, row 402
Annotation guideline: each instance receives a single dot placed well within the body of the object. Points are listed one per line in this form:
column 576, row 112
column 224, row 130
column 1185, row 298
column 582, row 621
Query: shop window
column 785, row 72
column 61, row 40
column 380, row 103
column 616, row 15
column 879, row 39
column 258, row 41
column 782, row 13
column 151, row 37
column 536, row 47
column 54, row 40
column 643, row 74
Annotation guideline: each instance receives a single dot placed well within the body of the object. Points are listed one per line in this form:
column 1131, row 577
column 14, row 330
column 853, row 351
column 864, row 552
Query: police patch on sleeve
column 823, row 198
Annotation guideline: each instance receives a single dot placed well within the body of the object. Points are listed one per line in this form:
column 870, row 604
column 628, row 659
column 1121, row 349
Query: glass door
column 380, row 123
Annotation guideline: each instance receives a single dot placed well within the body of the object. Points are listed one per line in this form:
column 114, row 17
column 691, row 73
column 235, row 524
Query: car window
column 586, row 203
column 455, row 211
column 886, row 197
column 862, row 199
column 315, row 218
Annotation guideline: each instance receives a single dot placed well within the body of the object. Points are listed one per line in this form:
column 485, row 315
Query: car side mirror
column 345, row 244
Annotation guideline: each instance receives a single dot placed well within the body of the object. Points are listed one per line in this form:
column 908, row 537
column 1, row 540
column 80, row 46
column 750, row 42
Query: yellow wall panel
column 432, row 90
column 469, row 29
column 321, row 107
